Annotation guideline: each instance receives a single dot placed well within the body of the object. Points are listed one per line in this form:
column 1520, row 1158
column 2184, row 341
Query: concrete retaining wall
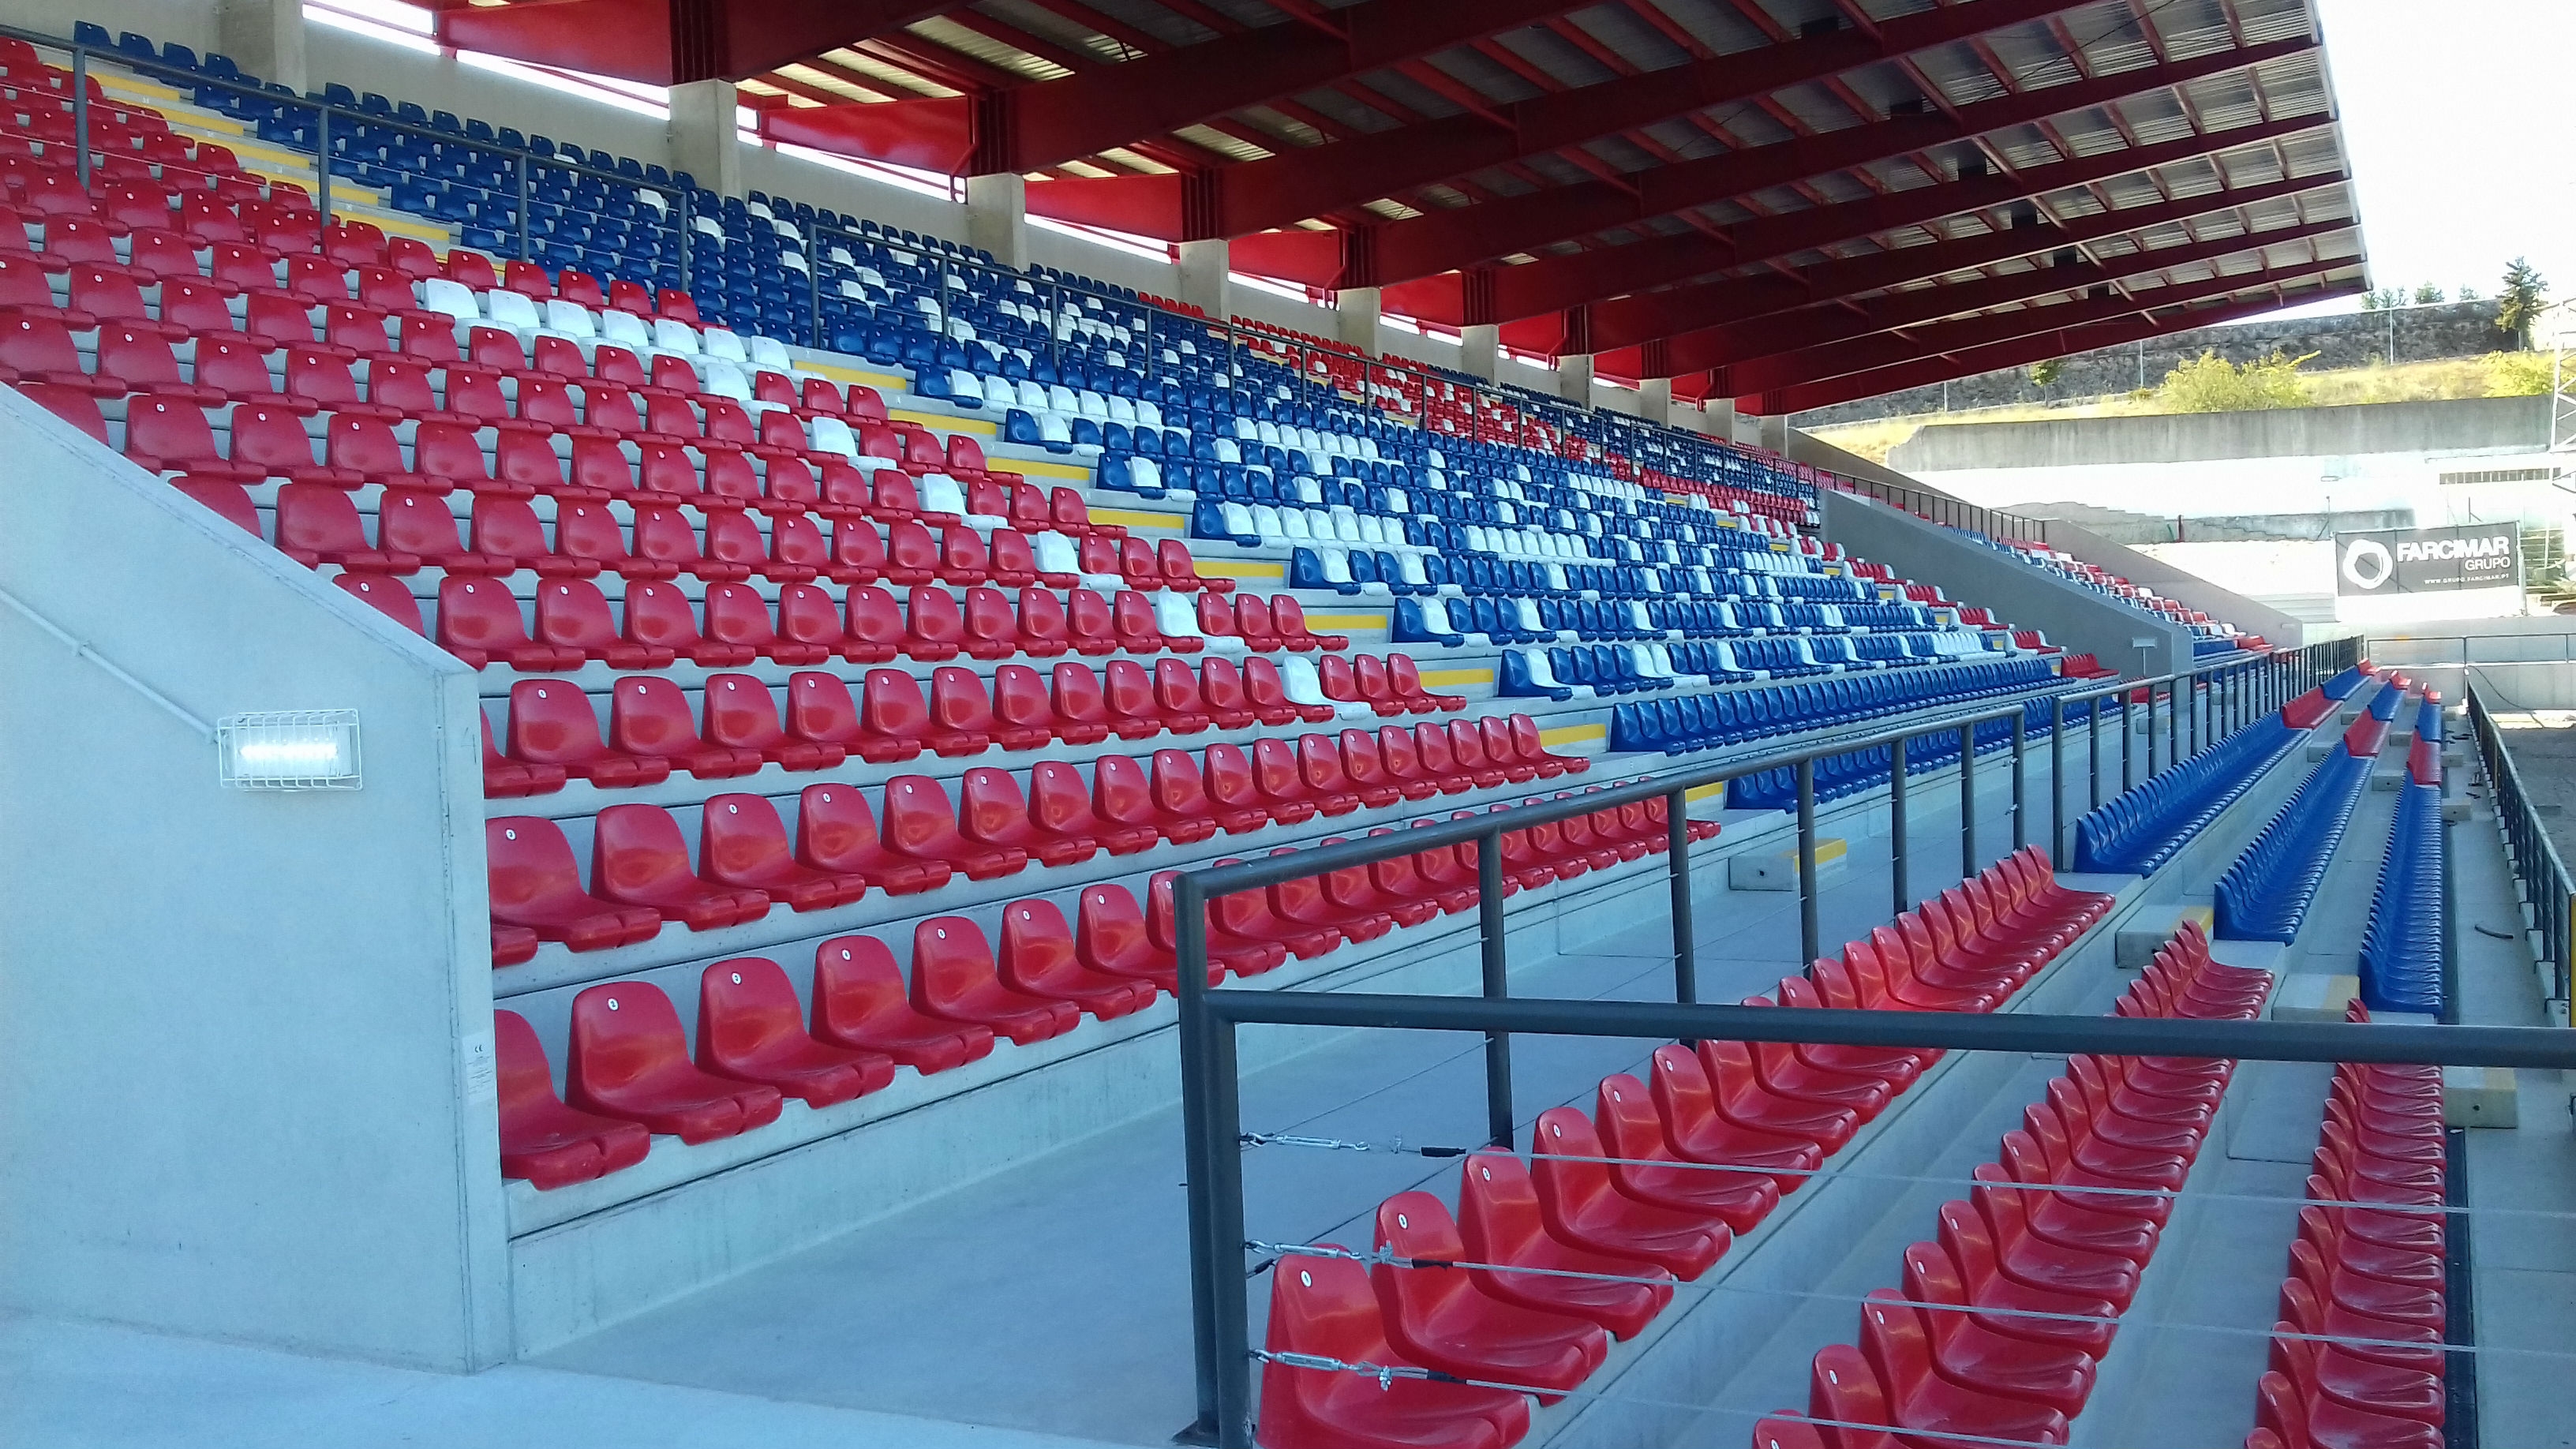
column 2418, row 427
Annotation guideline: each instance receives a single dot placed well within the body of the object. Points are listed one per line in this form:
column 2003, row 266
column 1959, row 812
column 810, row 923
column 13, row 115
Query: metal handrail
column 1948, row 509
column 2550, row 889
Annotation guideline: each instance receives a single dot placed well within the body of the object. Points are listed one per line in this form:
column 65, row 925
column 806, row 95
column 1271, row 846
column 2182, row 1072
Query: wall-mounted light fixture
column 298, row 749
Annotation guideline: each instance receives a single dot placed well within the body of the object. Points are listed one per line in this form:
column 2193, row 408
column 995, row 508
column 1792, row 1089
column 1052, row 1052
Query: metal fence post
column 525, row 197
column 1967, row 801
column 1685, row 932
column 2128, row 769
column 322, row 161
column 2057, row 782
column 2093, row 753
column 1199, row 1170
column 1897, row 828
column 1499, row 1120
column 2020, row 832
column 1808, row 945
column 1223, row 1115
column 80, row 115
column 2177, row 700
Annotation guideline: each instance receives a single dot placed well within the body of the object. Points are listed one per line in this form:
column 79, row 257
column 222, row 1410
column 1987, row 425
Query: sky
column 2461, row 136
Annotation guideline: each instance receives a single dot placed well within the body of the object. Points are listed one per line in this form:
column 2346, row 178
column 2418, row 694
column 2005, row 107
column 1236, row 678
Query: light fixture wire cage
column 294, row 749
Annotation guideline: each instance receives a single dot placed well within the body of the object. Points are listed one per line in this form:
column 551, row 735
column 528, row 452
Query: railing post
column 322, row 161
column 1685, row 932
column 1208, row 1263
column 2020, row 832
column 2057, row 781
column 2128, row 768
column 80, row 115
column 1224, row 1117
column 524, row 198
column 1499, row 1119
column 1808, row 945
column 2093, row 753
column 2177, row 701
column 1967, row 801
column 1897, row 828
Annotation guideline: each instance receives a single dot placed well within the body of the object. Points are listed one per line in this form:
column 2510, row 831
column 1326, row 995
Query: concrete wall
column 2419, row 427
column 2082, row 621
column 245, row 1037
column 2346, row 339
column 2175, row 582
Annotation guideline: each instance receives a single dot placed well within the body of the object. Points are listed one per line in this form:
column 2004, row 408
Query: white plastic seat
column 1054, row 429
column 624, row 329
column 715, row 375
column 505, row 308
column 964, row 388
column 833, row 435
column 1239, row 519
column 438, row 294
column 672, row 335
column 723, row 342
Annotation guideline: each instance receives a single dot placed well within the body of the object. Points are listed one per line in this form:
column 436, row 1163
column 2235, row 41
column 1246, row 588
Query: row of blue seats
column 1497, row 621
column 1853, row 771
column 2403, row 947
column 1730, row 717
column 2141, row 828
column 2265, row 894
column 1606, row 669
column 2383, row 705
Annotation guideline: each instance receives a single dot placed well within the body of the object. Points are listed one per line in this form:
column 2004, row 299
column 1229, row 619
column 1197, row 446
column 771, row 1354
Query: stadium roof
column 1764, row 199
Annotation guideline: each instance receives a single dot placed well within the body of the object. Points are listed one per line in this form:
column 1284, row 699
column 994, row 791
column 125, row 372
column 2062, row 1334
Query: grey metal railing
column 2547, row 887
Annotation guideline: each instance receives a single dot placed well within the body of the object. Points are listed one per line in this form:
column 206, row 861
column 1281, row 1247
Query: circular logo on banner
column 2366, row 563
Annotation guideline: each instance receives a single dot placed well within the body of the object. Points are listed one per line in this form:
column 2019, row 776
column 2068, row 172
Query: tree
column 2519, row 302
column 2210, row 383
column 2467, row 293
column 2426, row 292
column 2044, row 375
column 2370, row 301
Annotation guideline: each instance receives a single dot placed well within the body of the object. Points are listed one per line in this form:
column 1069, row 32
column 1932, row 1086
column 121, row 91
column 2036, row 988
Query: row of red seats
column 322, row 523
column 1613, row 1208
column 641, row 868
column 2374, row 1273
column 482, row 623
column 630, row 1072
column 2069, row 1215
column 552, row 727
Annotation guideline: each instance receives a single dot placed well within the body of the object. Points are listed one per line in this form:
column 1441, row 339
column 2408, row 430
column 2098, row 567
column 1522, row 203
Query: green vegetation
column 2045, row 374
column 2210, row 383
column 2519, row 302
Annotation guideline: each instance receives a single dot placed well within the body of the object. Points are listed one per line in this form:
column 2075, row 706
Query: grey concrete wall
column 2460, row 423
column 245, row 1037
column 2082, row 621
column 2147, row 572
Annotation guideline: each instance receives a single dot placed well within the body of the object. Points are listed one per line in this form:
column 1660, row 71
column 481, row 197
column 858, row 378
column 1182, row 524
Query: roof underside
column 1748, row 196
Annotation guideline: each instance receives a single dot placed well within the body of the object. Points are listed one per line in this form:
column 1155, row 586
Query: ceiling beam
column 1050, row 122
column 2021, row 352
column 1940, row 339
column 1844, row 320
column 1553, row 283
column 1734, row 302
column 673, row 42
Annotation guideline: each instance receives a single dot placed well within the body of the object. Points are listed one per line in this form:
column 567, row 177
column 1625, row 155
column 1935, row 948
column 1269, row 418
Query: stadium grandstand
column 652, row 809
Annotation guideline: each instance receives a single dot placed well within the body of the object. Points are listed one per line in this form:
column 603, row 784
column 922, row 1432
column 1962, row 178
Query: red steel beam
column 1846, row 320
column 672, row 42
column 1050, row 122
column 2023, row 351
column 1887, row 349
column 1553, row 283
column 1731, row 306
column 1283, row 190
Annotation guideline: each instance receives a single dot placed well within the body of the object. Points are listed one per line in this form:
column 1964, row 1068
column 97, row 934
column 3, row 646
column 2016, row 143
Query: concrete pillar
column 1717, row 418
column 1479, row 351
column 264, row 37
column 1203, row 268
column 705, row 135
column 1574, row 378
column 1355, row 313
column 1655, row 400
column 997, row 209
column 1775, row 432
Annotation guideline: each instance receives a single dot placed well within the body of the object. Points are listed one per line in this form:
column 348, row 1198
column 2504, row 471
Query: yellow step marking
column 1038, row 468
column 1457, row 676
column 1703, row 792
column 1219, row 569
column 1130, row 519
column 1347, row 621
column 1573, row 734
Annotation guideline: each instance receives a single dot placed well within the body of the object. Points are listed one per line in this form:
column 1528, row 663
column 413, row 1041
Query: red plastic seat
column 739, row 616
column 630, row 1059
column 1123, row 795
column 874, row 627
column 1961, row 1267
column 1038, row 959
column 1303, row 903
column 1233, row 794
column 740, row 715
column 751, row 1027
column 1443, row 1320
column 573, row 614
column 535, row 884
column 892, row 708
column 503, row 777
column 837, row 833
column 650, row 717
column 954, row 978
column 1653, row 1171
column 1283, row 785
column 480, row 623
column 658, row 614
column 1241, row 955
column 1089, row 624
column 742, row 842
column 542, row 1140
column 1499, row 1222
column 319, row 524
column 1060, row 804
column 1022, row 709
column 1110, row 936
column 1132, row 620
column 1326, row 1307
column 920, row 824
column 553, row 725
column 994, row 813
column 933, row 627
column 638, row 857
column 1583, row 1209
